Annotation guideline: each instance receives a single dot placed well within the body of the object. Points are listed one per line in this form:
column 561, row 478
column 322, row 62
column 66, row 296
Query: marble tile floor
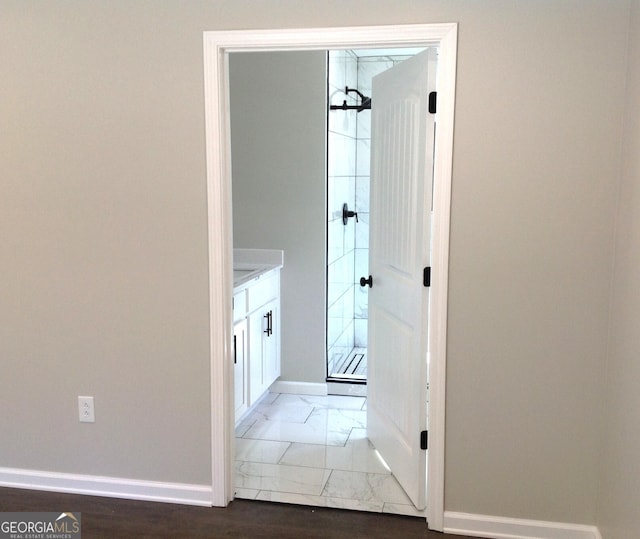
column 313, row 450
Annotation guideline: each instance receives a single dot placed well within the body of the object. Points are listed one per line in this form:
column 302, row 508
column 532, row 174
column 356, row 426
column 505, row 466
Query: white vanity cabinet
column 240, row 367
column 240, row 353
column 264, row 364
column 259, row 331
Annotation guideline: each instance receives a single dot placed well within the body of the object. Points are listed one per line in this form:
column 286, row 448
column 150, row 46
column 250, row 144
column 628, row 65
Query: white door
column 402, row 137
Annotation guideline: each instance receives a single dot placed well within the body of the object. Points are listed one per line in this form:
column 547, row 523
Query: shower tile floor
column 353, row 366
column 313, row 450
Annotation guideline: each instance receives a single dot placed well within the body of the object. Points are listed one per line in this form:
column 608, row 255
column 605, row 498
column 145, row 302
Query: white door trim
column 217, row 45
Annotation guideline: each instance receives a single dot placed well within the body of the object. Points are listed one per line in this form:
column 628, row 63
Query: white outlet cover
column 86, row 411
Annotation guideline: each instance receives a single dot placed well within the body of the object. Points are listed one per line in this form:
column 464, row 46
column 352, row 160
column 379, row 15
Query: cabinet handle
column 269, row 317
column 235, row 350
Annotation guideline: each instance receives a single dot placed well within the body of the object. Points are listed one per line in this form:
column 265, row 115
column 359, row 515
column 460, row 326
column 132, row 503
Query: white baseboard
column 346, row 389
column 298, row 388
column 112, row 487
column 513, row 528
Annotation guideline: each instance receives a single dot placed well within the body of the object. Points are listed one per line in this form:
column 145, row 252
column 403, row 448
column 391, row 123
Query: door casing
column 217, row 46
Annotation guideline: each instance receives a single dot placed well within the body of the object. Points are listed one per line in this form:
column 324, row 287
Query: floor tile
column 402, row 509
column 316, row 432
column 365, row 487
column 314, row 450
column 291, row 412
column 324, row 401
column 338, row 419
column 265, row 451
column 244, row 426
column 292, row 479
column 321, row 501
column 356, row 455
column 247, row 493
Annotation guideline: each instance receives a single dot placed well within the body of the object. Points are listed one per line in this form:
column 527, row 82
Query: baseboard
column 513, row 528
column 298, row 388
column 350, row 390
column 112, row 487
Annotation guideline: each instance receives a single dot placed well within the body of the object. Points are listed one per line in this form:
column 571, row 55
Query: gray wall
column 278, row 141
column 619, row 517
column 104, row 240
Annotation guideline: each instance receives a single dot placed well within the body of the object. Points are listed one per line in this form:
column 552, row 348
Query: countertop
column 252, row 264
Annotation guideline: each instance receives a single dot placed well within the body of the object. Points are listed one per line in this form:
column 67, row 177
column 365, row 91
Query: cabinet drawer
column 266, row 289
column 239, row 305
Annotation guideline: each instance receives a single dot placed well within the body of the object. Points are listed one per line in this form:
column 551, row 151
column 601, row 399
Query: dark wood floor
column 116, row 518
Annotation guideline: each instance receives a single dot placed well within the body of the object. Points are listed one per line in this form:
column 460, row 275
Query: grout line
column 324, row 485
column 284, row 453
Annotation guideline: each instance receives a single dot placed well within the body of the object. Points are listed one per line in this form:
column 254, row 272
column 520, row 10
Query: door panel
column 400, row 218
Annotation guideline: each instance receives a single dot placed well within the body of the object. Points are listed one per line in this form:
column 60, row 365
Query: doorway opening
column 217, row 45
column 349, row 82
column 296, row 447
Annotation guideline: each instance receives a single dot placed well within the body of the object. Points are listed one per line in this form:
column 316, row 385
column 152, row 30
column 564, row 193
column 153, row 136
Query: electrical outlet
column 86, row 410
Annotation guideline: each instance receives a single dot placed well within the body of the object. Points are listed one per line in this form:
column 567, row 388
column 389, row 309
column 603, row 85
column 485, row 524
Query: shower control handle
column 364, row 282
column 346, row 213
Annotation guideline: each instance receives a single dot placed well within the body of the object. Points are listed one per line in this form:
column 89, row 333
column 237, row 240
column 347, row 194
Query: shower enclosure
column 348, row 154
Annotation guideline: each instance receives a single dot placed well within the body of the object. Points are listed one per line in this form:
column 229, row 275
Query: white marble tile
column 280, row 478
column 341, row 189
column 357, row 433
column 363, row 185
column 343, row 122
column 362, row 232
column 363, row 158
column 337, row 69
column 266, row 451
column 338, row 419
column 361, row 264
column 340, row 276
column 365, row 486
column 335, row 241
column 356, row 455
column 247, row 493
column 308, row 455
column 335, row 328
column 311, row 432
column 350, row 236
column 402, row 509
column 361, row 303
column 320, row 501
column 352, row 70
column 326, row 401
column 341, row 155
column 361, row 330
column 344, row 476
column 337, row 354
column 363, row 125
column 244, row 425
column 292, row 413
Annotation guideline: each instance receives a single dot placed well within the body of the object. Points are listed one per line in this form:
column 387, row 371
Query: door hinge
column 433, row 98
column 424, row 439
column 426, row 276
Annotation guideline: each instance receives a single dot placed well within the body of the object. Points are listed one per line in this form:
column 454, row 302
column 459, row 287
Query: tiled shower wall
column 341, row 242
column 349, row 146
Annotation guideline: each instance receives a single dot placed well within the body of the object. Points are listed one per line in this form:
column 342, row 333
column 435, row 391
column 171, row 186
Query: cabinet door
column 257, row 326
column 240, row 368
column 264, row 349
column 271, row 345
